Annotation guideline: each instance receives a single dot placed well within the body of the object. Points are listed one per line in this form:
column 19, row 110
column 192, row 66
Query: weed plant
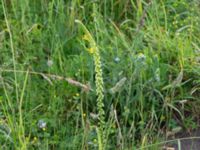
column 126, row 76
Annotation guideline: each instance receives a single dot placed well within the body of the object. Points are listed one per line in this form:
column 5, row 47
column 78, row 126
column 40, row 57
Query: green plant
column 142, row 60
column 93, row 49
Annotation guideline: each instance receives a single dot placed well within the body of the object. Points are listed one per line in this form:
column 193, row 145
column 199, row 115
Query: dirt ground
column 188, row 141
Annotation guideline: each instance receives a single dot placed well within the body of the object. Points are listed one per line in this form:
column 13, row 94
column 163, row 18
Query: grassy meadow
column 98, row 74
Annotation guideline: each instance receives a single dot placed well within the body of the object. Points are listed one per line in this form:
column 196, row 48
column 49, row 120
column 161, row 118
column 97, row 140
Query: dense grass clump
column 102, row 74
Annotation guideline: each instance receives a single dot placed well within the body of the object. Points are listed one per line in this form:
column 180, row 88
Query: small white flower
column 157, row 74
column 117, row 59
column 41, row 124
column 49, row 63
column 141, row 56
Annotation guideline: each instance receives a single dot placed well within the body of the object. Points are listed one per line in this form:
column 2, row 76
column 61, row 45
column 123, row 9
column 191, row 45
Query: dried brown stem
column 50, row 77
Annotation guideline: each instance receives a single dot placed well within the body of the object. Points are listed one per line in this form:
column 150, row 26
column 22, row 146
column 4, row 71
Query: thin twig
column 119, row 128
column 48, row 77
column 143, row 17
column 12, row 47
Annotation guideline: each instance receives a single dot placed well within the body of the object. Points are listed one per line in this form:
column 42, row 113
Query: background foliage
column 150, row 54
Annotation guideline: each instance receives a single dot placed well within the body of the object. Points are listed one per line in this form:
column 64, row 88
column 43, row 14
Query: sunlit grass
column 131, row 65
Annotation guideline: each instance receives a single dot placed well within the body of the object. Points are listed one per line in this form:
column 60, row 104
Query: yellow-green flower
column 91, row 50
column 99, row 84
column 95, row 140
column 86, row 37
column 84, row 115
column 35, row 138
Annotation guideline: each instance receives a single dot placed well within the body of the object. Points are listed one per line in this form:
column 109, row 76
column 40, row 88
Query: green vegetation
column 98, row 74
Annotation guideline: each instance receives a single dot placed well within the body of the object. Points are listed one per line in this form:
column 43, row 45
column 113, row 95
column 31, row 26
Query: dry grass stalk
column 50, row 77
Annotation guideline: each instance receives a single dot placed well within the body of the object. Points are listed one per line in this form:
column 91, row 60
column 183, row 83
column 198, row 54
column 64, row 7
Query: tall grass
column 141, row 77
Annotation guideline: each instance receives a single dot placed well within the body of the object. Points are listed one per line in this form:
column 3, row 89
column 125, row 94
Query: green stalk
column 99, row 83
